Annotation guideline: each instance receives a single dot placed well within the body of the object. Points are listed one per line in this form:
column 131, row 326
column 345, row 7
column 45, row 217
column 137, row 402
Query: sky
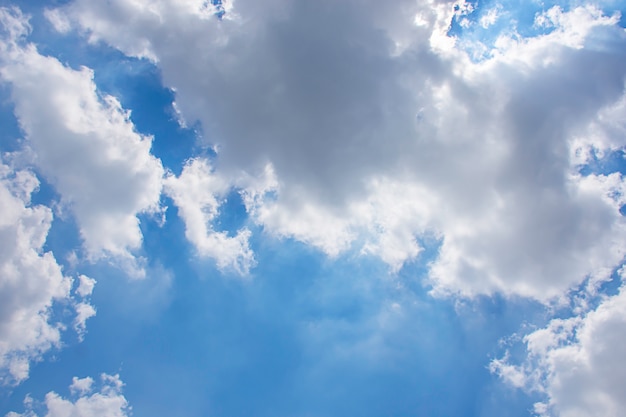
column 291, row 208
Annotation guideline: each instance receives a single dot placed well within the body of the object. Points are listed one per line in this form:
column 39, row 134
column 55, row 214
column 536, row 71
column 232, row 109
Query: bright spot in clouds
column 312, row 208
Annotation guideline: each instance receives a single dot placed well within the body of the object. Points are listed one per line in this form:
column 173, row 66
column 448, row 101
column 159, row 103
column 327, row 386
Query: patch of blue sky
column 606, row 163
column 232, row 214
column 138, row 86
column 220, row 11
column 34, row 5
column 487, row 20
column 609, row 287
column 64, row 236
column 68, row 48
column 430, row 245
column 304, row 337
column 172, row 231
column 612, row 286
column 10, row 134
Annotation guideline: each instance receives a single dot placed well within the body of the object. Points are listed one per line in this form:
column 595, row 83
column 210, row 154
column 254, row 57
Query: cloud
column 31, row 280
column 575, row 362
column 84, row 311
column 58, row 20
column 378, row 137
column 490, row 17
column 85, row 402
column 198, row 194
column 85, row 285
column 84, row 143
column 81, row 385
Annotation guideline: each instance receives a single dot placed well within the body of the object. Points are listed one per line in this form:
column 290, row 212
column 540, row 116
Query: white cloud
column 58, row 20
column 107, row 401
column 490, row 18
column 583, row 27
column 382, row 133
column 30, row 278
column 85, row 145
column 81, row 385
column 198, row 193
column 84, row 311
column 85, row 285
column 576, row 363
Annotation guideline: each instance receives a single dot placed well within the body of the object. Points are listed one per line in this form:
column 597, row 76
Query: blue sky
column 312, row 209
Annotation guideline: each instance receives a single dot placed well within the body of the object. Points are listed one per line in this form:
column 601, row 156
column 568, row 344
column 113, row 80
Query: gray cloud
column 379, row 131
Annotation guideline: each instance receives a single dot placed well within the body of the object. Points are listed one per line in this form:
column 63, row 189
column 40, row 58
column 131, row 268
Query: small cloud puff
column 85, row 285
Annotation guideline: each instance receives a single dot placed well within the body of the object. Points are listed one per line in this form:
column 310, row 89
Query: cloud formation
column 575, row 363
column 31, row 280
column 198, row 194
column 380, row 132
column 84, row 144
column 85, row 401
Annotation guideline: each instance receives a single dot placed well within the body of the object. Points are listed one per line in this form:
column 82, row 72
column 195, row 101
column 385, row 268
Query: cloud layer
column 379, row 132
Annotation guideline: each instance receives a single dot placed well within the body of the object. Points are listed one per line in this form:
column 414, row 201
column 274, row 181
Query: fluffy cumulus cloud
column 33, row 287
column 31, row 280
column 380, row 132
column 575, row 363
column 84, row 144
column 85, row 401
